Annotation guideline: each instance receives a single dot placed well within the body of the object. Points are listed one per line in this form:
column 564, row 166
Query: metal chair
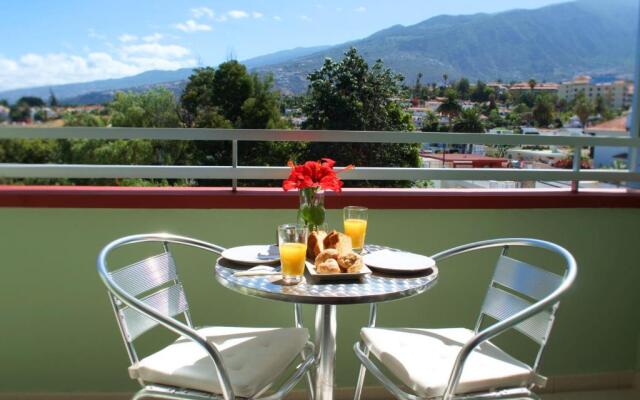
column 203, row 363
column 461, row 363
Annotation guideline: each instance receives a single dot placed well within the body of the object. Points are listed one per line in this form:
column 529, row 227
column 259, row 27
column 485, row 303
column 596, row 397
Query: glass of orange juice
column 355, row 225
column 292, row 243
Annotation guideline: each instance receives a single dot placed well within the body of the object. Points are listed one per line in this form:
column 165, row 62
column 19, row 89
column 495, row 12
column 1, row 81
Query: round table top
column 377, row 287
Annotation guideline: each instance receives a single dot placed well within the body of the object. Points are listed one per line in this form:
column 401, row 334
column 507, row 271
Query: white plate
column 339, row 276
column 254, row 254
column 398, row 261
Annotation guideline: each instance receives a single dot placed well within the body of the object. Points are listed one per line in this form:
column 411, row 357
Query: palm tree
column 469, row 121
column 418, row 85
column 450, row 107
column 532, row 84
column 583, row 109
column 445, row 78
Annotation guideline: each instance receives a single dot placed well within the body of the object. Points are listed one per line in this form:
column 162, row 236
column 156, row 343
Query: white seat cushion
column 423, row 359
column 252, row 357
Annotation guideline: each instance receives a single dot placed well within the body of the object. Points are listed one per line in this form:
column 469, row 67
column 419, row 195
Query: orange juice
column 292, row 258
column 356, row 229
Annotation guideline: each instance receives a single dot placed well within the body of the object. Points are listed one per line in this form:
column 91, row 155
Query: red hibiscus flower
column 314, row 174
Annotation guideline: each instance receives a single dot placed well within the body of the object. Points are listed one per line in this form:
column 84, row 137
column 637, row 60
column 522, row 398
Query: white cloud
column 361, row 9
column 168, row 51
column 33, row 69
column 237, row 14
column 192, row 26
column 277, row 18
column 126, row 38
column 257, row 15
column 95, row 35
column 221, row 18
column 305, row 18
column 156, row 37
column 201, row 12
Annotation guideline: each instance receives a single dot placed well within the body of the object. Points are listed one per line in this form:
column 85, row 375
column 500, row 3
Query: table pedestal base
column 325, row 341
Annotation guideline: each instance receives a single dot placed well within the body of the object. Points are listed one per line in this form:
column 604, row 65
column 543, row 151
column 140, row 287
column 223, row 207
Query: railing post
column 577, row 159
column 234, row 163
column 634, row 131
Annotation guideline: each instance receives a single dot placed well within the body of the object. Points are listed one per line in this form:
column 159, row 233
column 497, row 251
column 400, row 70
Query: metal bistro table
column 374, row 288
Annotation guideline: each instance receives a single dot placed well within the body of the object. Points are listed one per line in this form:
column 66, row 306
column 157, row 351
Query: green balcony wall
column 58, row 333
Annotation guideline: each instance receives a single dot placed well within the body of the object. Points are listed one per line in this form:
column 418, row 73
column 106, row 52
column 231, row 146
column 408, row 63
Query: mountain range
column 551, row 43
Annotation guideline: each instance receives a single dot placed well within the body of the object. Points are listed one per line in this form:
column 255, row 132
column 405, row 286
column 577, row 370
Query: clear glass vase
column 311, row 212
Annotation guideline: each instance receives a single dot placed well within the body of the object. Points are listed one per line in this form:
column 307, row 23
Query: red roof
column 475, row 160
column 618, row 124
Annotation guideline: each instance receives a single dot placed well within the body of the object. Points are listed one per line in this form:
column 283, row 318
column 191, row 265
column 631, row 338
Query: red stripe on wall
column 275, row 198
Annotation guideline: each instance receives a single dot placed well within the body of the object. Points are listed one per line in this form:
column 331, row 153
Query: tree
column 156, row 108
column 232, row 86
column 21, row 111
column 583, row 109
column 469, row 121
column 53, row 101
column 520, row 114
column 430, row 122
column 480, row 92
column 31, row 101
column 83, row 119
column 418, row 87
column 197, row 104
column 543, row 111
column 350, row 95
column 261, row 109
column 445, row 78
column 450, row 107
column 4, row 103
column 495, row 119
column 532, row 84
column 463, row 87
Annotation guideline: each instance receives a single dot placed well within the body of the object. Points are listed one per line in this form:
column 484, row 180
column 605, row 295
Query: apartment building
column 618, row 94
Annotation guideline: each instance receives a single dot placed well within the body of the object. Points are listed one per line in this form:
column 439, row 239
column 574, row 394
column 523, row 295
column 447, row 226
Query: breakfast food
column 330, row 261
column 326, row 255
column 350, row 262
column 329, row 266
column 315, row 243
column 339, row 241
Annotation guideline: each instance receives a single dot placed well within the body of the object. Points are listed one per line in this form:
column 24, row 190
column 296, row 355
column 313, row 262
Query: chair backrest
column 148, row 290
column 516, row 286
column 154, row 281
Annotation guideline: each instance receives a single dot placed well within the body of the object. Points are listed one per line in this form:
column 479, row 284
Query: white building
column 618, row 94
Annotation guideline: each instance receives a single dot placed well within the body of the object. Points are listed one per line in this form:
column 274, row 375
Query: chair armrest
column 169, row 323
column 183, row 330
column 494, row 330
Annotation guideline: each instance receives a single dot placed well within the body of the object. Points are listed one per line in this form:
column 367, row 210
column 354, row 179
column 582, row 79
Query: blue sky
column 52, row 42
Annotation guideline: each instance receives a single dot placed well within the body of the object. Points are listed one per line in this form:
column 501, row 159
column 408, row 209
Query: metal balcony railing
column 236, row 172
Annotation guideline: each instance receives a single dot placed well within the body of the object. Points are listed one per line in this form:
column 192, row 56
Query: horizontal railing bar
column 259, row 173
column 308, row 136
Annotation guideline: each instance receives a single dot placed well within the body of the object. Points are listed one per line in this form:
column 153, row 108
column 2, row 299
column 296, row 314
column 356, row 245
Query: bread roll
column 329, row 266
column 315, row 243
column 326, row 255
column 350, row 262
column 338, row 241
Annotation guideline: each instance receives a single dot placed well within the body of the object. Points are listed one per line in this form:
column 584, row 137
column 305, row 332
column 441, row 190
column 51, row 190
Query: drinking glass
column 355, row 225
column 292, row 242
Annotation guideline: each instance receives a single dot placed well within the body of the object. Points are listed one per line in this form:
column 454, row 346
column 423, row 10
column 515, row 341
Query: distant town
column 580, row 106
